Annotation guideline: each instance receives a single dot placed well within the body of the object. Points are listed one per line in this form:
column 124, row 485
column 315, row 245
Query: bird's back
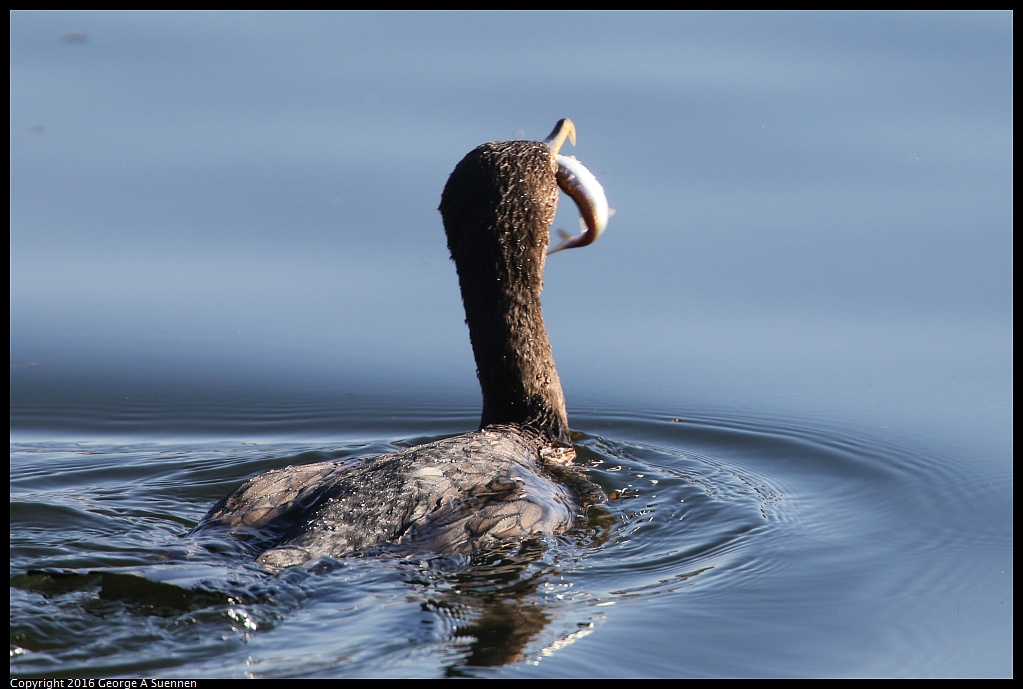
column 453, row 496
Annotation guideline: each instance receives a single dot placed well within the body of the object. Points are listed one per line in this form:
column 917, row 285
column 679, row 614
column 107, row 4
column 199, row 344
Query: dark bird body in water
column 508, row 480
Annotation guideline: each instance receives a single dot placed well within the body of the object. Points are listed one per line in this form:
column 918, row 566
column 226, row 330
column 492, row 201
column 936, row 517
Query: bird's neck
column 514, row 361
column 498, row 206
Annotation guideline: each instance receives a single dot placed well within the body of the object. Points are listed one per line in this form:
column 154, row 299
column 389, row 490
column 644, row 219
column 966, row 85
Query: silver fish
column 579, row 183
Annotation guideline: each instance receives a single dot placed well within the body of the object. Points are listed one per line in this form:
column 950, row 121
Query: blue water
column 788, row 360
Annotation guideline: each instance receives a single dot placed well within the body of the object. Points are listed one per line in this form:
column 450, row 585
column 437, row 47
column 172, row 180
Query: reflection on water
column 729, row 546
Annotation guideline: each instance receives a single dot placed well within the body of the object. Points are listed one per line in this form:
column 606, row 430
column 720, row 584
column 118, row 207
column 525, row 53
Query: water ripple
column 809, row 548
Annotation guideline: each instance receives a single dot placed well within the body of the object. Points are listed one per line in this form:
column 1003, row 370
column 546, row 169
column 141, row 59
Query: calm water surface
column 788, row 360
column 731, row 546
